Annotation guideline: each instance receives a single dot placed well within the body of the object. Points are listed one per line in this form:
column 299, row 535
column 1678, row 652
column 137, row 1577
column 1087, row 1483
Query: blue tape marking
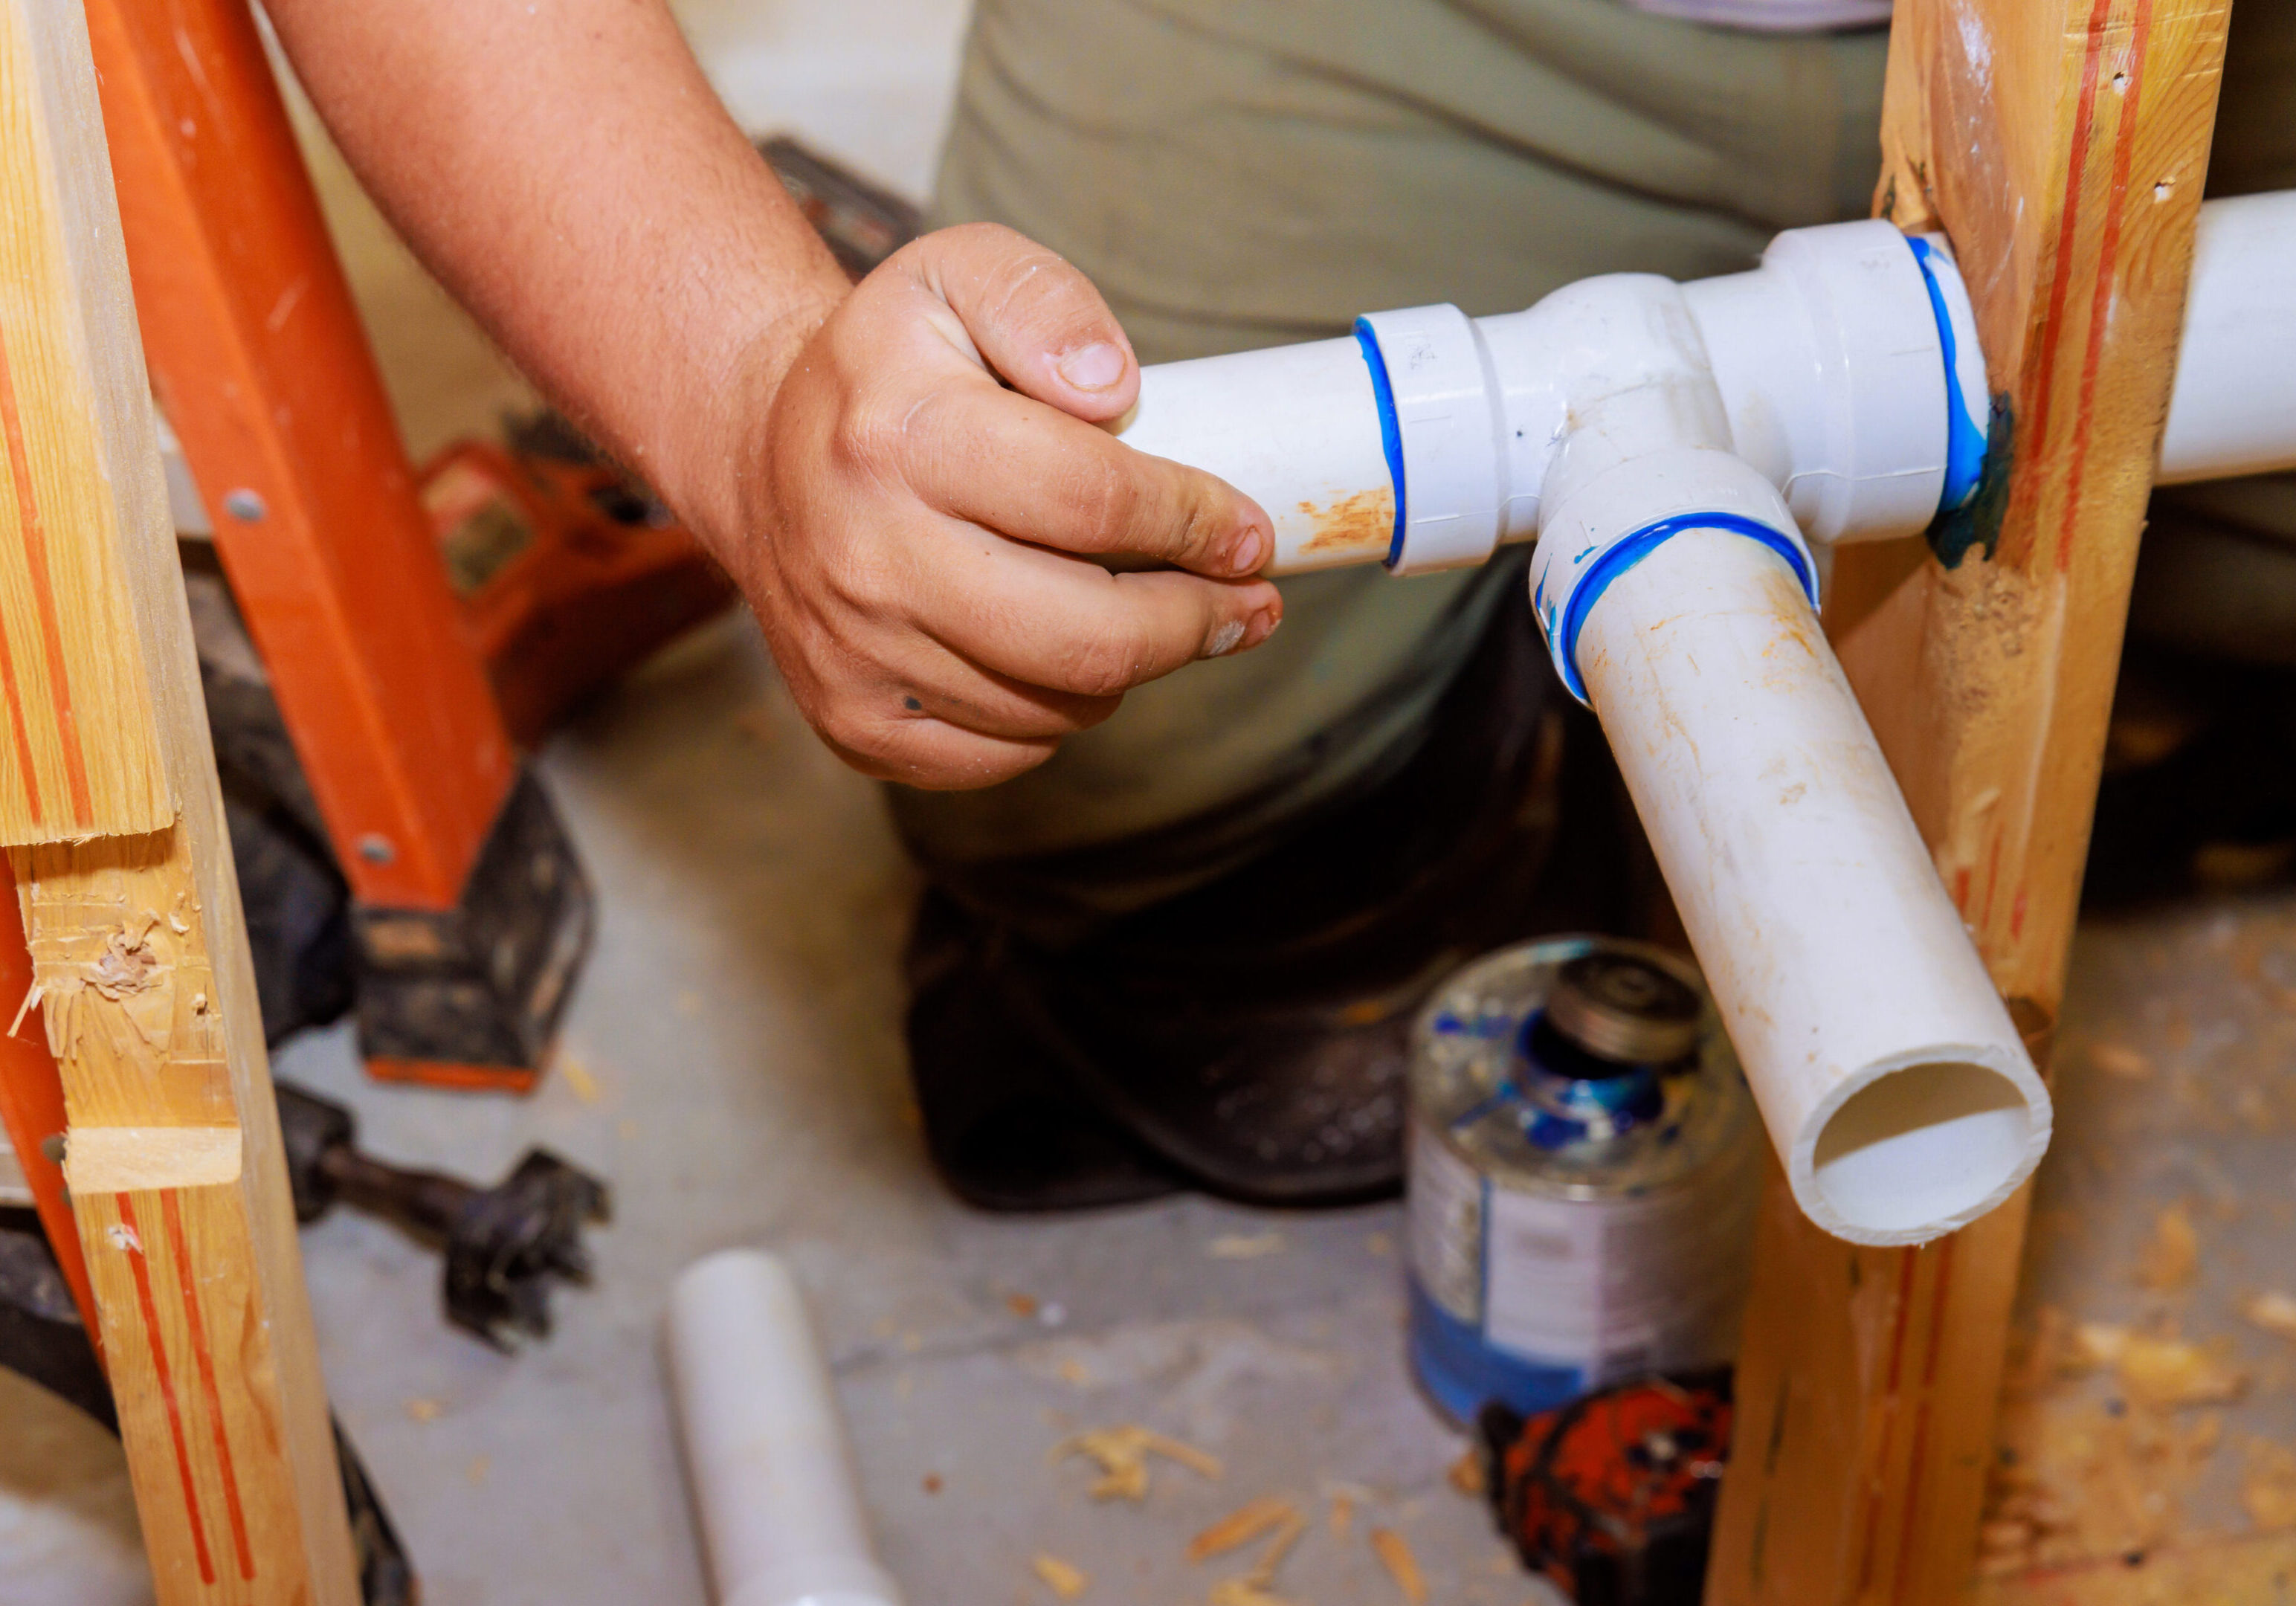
column 1390, row 431
column 1964, row 440
column 1621, row 556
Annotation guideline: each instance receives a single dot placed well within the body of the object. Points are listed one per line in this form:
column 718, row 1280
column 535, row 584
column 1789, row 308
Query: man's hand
column 920, row 538
column 917, row 537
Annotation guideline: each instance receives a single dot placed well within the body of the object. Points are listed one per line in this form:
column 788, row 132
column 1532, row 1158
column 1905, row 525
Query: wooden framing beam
column 138, row 948
column 2060, row 144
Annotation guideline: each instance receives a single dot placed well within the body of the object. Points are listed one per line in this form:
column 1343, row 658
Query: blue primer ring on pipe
column 1964, row 441
column 1390, row 431
column 1622, row 554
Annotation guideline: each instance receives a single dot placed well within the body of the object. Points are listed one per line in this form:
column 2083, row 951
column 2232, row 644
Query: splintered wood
column 122, row 974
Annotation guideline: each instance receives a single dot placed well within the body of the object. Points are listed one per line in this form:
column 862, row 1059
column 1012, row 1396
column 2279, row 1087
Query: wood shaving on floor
column 1394, row 1553
column 2268, row 1485
column 2083, row 1481
column 2119, row 1060
column 2275, row 1312
column 578, row 1077
column 1122, row 1452
column 1243, row 1592
column 2163, row 1372
column 1242, row 1525
column 1257, row 1587
column 1064, row 1578
column 2171, row 1257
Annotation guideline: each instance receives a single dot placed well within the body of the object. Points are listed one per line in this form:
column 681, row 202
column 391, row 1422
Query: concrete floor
column 733, row 1064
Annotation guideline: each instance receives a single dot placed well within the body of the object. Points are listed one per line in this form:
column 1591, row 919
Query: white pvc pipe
column 1298, row 426
column 1675, row 593
column 2233, row 407
column 1828, row 356
column 765, row 1451
column 1890, row 1076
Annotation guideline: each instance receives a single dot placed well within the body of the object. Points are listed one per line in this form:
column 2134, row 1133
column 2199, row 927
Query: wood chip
column 1123, row 1452
column 1279, row 1548
column 2269, row 1490
column 1242, row 1525
column 423, row 1409
column 2160, row 1372
column 1394, row 1552
column 578, row 1077
column 2171, row 1258
column 1466, row 1475
column 2273, row 1312
column 2119, row 1060
column 1241, row 1246
column 2172, row 1371
column 1022, row 1305
column 1255, row 1587
column 1064, row 1578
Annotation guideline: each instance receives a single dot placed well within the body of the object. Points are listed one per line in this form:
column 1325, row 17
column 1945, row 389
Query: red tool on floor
column 1612, row 1495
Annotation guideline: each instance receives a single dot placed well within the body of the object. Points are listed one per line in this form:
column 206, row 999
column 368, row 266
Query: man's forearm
column 564, row 168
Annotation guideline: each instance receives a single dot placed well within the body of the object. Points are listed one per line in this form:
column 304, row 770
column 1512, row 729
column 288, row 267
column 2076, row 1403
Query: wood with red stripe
column 2060, row 144
column 79, row 756
column 137, row 952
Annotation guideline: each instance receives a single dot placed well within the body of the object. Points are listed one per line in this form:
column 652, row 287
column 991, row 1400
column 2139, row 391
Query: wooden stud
column 138, row 947
column 2060, row 144
column 76, row 757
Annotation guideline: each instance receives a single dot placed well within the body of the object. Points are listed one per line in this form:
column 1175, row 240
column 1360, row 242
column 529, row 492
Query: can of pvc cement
column 1583, row 1172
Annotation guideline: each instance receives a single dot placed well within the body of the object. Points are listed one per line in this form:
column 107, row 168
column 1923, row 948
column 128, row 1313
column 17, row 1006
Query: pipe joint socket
column 1442, row 432
column 1625, row 515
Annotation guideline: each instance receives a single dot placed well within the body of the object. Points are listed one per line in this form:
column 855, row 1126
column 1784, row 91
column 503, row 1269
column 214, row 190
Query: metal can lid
column 1622, row 1007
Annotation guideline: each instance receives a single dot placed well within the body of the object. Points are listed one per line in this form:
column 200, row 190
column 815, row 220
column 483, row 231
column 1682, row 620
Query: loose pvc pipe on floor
column 765, row 1451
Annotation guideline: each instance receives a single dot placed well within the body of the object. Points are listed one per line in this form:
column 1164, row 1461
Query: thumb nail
column 1093, row 367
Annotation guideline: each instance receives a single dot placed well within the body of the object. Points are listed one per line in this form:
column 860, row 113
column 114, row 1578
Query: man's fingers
column 1026, row 472
column 924, row 680
column 937, row 756
column 1063, row 623
column 1033, row 318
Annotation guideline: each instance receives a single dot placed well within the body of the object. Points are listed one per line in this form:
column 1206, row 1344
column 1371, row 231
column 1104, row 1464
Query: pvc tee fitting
column 1847, row 366
column 1669, row 446
column 765, row 1452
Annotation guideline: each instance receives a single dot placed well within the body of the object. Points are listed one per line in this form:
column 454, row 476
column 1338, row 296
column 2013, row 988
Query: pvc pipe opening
column 1931, row 1143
